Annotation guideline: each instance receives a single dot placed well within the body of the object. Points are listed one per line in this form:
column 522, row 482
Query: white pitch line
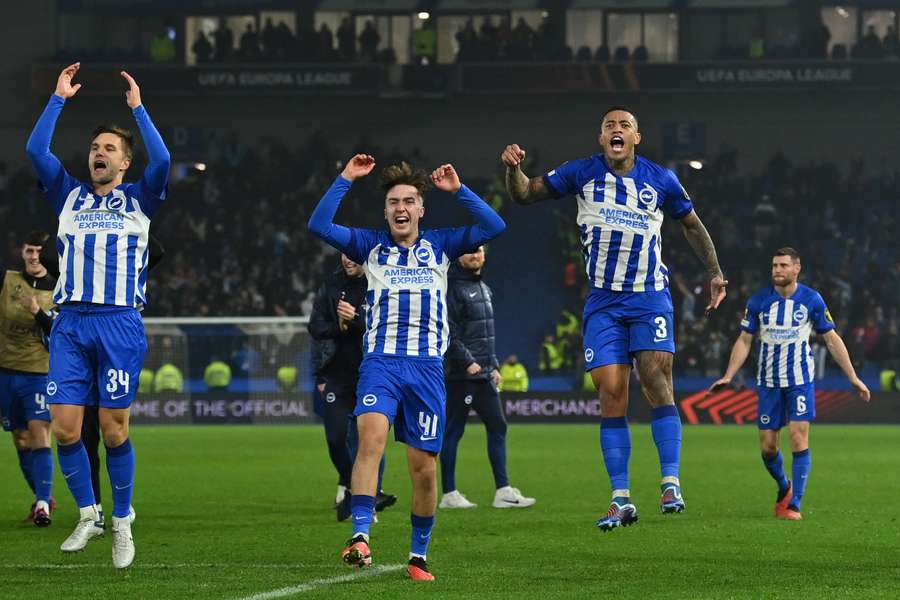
column 317, row 583
column 157, row 566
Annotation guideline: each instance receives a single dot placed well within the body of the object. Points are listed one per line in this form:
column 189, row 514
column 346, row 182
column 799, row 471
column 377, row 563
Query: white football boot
column 85, row 530
column 122, row 542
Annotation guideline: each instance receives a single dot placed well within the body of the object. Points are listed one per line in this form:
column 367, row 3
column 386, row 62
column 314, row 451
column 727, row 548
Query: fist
column 512, row 156
column 446, row 178
column 474, row 369
column 358, row 166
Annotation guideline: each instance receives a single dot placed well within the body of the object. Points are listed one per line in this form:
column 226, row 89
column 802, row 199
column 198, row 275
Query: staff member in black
column 337, row 323
column 472, row 372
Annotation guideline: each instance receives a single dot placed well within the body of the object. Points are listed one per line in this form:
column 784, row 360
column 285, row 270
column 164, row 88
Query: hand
column 496, row 377
column 359, row 166
column 133, row 94
column 64, row 87
column 446, row 178
column 345, row 310
column 321, row 388
column 512, row 156
column 30, row 304
column 473, row 369
column 861, row 389
column 716, row 293
column 719, row 385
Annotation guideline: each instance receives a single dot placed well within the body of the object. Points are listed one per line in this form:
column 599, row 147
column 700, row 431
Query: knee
column 115, row 435
column 424, row 473
column 799, row 441
column 497, row 428
column 21, row 439
column 65, row 433
column 769, row 448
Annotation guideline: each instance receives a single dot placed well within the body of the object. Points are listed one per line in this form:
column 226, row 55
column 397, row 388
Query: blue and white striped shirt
column 784, row 326
column 620, row 219
column 102, row 241
column 406, row 299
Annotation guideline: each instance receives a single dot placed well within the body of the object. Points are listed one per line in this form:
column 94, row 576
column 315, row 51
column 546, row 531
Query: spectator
column 346, row 35
column 891, row 43
column 368, row 42
column 249, row 44
column 202, row 48
column 224, row 39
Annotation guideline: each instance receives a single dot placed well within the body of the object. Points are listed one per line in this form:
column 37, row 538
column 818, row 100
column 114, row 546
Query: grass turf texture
column 219, row 508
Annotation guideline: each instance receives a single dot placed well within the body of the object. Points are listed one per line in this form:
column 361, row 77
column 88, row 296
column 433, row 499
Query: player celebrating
column 401, row 379
column 98, row 342
column 628, row 314
column 784, row 314
column 25, row 303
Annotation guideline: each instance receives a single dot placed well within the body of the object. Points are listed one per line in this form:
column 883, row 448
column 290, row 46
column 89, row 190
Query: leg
column 487, row 405
column 90, row 437
column 457, row 413
column 373, row 429
column 423, row 472
column 802, row 462
column 42, row 458
column 611, row 382
column 73, row 459
column 336, row 421
column 119, row 458
column 22, row 442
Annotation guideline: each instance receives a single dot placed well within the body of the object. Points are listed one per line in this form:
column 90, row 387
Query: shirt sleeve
column 820, row 315
column 675, row 202
column 55, row 181
column 463, row 240
column 750, row 322
column 562, row 180
column 153, row 186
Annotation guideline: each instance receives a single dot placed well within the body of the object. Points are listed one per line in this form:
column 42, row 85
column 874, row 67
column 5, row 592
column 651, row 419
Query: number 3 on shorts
column 662, row 331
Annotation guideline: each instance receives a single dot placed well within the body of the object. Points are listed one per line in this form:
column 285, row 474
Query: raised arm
column 321, row 222
column 838, row 351
column 156, row 175
column 703, row 247
column 739, row 353
column 488, row 223
column 521, row 188
column 46, row 165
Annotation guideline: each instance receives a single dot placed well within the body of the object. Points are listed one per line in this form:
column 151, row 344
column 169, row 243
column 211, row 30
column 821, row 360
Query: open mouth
column 402, row 220
column 617, row 142
column 99, row 166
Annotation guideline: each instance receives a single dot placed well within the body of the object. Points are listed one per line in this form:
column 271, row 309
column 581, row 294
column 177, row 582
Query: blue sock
column 775, row 467
column 496, row 447
column 362, row 509
column 800, row 471
column 120, row 466
column 615, row 442
column 42, row 471
column 76, row 468
column 25, row 465
column 666, row 427
column 421, row 534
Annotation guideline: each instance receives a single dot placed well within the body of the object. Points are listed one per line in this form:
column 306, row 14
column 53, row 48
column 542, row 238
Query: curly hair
column 404, row 174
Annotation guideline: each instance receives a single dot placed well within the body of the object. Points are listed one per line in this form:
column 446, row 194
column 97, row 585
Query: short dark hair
column 125, row 135
column 621, row 107
column 788, row 251
column 404, row 174
column 36, row 238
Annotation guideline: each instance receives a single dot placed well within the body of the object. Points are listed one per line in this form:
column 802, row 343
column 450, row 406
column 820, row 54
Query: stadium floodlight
column 695, row 164
column 424, row 16
column 200, row 166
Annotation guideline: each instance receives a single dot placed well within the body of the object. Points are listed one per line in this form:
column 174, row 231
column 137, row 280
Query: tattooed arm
column 703, row 247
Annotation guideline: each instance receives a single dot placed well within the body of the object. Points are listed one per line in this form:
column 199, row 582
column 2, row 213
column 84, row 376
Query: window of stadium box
column 647, row 32
column 394, row 23
column 455, row 14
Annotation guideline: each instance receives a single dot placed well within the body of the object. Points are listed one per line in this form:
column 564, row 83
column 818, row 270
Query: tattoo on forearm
column 517, row 185
column 703, row 246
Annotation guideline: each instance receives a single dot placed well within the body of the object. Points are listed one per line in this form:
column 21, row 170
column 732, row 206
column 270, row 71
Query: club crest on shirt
column 648, row 196
column 115, row 203
column 423, row 254
column 801, row 314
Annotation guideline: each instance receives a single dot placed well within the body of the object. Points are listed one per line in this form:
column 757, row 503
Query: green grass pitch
column 233, row 512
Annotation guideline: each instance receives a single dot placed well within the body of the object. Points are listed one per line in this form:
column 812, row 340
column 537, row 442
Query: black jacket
column 471, row 317
column 339, row 353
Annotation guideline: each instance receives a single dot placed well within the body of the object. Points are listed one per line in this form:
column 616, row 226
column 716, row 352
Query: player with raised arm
column 401, row 379
column 628, row 315
column 25, row 318
column 98, row 343
column 784, row 314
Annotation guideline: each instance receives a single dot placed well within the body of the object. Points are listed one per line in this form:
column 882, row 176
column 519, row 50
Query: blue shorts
column 410, row 392
column 780, row 406
column 22, row 399
column 618, row 324
column 96, row 355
